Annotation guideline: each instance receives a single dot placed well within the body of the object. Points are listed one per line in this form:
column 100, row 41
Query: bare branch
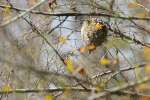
column 43, row 37
column 22, row 14
column 73, row 14
column 121, row 70
column 44, row 90
column 57, row 25
column 123, row 36
column 115, row 89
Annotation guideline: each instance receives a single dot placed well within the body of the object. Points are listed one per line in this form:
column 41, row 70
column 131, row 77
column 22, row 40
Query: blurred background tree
column 44, row 57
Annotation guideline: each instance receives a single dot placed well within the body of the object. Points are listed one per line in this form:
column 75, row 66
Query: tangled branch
column 31, row 10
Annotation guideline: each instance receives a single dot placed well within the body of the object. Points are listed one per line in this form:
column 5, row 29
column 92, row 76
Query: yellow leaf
column 6, row 88
column 62, row 39
column 48, row 97
column 133, row 5
column 146, row 54
column 69, row 64
column 7, row 10
column 99, row 26
column 100, row 87
column 104, row 61
column 147, row 68
column 142, row 87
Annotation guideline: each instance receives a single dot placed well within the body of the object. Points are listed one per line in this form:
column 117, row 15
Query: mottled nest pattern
column 94, row 32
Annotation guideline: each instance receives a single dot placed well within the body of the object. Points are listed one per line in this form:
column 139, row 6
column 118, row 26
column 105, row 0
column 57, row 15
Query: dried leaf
column 7, row 11
column 62, row 39
column 83, row 50
column 69, row 64
column 82, row 72
column 6, row 88
column 87, row 48
column 79, row 70
column 91, row 47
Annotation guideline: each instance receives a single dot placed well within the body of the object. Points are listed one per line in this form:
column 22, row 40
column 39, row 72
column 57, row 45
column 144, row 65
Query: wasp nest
column 94, row 32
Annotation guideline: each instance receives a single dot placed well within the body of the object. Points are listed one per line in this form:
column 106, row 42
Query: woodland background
column 42, row 56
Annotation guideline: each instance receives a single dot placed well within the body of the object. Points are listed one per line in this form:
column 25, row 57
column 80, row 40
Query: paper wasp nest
column 94, row 32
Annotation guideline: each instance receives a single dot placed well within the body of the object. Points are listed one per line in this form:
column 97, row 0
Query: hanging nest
column 94, row 32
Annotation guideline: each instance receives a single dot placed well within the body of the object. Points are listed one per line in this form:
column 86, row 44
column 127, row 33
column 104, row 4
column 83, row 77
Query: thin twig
column 100, row 94
column 121, row 70
column 130, row 93
column 22, row 14
column 140, row 27
column 115, row 89
column 43, row 37
column 43, row 90
column 78, row 14
column 57, row 25
column 123, row 36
